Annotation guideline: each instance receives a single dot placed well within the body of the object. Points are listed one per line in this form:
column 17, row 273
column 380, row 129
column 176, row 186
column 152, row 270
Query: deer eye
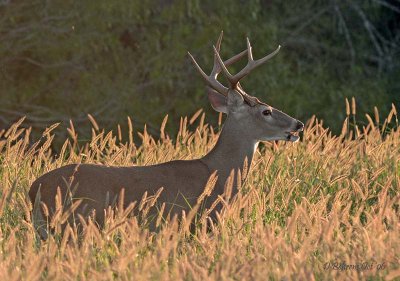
column 267, row 112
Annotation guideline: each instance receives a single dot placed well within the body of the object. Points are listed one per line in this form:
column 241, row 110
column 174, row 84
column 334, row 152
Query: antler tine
column 217, row 68
column 212, row 78
column 235, row 58
column 267, row 57
column 212, row 81
column 251, row 64
column 249, row 50
column 222, row 65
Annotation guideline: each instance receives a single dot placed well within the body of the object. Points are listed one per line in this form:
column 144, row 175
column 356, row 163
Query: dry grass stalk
column 304, row 209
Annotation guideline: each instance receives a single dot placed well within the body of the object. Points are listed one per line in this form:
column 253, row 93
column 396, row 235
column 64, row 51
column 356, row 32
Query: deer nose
column 300, row 126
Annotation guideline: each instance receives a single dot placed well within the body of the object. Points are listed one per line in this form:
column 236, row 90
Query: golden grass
column 328, row 199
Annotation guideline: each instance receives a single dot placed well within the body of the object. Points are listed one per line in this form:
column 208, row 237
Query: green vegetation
column 65, row 59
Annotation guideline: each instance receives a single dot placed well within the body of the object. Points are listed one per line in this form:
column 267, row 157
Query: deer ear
column 218, row 102
column 235, row 99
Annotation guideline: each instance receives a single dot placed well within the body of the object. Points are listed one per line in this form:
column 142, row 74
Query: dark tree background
column 60, row 60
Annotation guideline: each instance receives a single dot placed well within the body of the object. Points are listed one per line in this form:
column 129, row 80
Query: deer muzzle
column 293, row 136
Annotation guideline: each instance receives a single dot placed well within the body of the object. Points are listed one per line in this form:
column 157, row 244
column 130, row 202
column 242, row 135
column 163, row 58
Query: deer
column 248, row 122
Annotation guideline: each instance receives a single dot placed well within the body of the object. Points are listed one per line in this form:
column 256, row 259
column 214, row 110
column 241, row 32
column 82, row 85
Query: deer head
column 256, row 119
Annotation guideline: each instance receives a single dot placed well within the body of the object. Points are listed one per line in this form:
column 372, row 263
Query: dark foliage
column 61, row 60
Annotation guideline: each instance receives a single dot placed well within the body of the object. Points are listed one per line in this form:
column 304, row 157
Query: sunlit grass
column 328, row 199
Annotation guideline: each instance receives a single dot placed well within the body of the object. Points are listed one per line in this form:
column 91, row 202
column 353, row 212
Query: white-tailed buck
column 248, row 122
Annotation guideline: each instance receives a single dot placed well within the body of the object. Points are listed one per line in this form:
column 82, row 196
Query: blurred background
column 60, row 60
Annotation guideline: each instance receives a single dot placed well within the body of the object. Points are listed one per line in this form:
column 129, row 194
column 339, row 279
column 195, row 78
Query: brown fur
column 183, row 181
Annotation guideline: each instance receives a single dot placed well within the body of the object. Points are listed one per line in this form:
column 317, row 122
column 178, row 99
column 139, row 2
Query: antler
column 251, row 64
column 212, row 78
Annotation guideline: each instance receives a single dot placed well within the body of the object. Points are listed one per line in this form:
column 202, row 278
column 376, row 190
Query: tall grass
column 326, row 208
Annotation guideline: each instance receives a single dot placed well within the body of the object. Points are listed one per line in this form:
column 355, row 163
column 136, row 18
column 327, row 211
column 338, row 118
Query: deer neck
column 230, row 152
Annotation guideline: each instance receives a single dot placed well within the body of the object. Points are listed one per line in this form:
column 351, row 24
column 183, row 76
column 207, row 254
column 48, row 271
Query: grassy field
column 326, row 208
